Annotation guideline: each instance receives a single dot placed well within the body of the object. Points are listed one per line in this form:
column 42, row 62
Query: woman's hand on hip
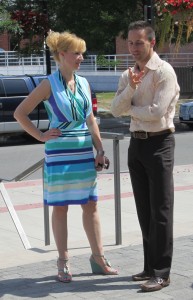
column 50, row 134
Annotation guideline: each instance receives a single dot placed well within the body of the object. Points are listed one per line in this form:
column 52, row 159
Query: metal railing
column 116, row 137
column 12, row 63
column 9, row 204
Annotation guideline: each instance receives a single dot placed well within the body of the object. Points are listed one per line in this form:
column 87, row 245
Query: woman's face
column 71, row 59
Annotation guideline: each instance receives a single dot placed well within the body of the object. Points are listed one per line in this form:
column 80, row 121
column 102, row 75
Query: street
column 20, row 155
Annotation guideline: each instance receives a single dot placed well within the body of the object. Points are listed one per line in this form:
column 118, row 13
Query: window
column 15, row 87
column 2, row 92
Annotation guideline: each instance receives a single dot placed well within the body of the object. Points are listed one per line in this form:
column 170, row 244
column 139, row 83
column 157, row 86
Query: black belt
column 145, row 135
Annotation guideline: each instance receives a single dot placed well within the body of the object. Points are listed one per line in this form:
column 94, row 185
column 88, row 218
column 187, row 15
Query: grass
column 104, row 100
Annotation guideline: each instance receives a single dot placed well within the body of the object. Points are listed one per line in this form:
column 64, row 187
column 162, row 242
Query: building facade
column 4, row 41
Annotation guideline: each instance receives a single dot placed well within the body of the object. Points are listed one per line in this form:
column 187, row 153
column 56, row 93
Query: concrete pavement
column 30, row 274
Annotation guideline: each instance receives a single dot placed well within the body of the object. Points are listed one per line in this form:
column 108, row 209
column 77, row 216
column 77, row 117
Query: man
column 149, row 92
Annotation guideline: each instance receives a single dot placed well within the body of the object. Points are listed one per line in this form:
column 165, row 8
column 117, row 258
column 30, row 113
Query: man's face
column 139, row 45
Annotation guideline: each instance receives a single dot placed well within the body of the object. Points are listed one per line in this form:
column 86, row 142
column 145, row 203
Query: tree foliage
column 6, row 22
column 32, row 24
column 97, row 21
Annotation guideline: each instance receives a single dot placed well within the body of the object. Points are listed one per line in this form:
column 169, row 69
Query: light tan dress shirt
column 152, row 104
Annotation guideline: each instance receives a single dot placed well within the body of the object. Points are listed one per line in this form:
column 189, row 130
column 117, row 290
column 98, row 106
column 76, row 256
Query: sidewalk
column 30, row 274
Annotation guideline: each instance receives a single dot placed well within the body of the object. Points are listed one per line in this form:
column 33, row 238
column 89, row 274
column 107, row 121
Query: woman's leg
column 91, row 223
column 60, row 231
column 92, row 227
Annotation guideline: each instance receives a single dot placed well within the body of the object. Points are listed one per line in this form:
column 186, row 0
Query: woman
column 70, row 168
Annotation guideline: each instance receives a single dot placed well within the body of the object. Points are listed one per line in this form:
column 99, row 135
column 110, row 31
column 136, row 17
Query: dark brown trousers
column 150, row 163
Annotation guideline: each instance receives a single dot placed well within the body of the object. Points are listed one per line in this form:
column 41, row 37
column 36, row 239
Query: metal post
column 118, row 235
column 46, row 48
column 46, row 218
column 149, row 11
column 48, row 63
column 46, row 225
column 117, row 187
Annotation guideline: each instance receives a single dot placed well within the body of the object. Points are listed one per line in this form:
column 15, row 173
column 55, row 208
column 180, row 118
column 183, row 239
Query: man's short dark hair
column 137, row 25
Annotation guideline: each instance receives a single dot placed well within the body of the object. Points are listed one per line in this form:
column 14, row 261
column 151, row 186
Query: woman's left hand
column 50, row 134
column 99, row 162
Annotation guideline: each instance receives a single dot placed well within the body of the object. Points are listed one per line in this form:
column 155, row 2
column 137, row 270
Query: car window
column 2, row 92
column 15, row 87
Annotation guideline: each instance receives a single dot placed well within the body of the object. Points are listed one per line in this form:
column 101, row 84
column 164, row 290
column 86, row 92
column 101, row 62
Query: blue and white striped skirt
column 69, row 171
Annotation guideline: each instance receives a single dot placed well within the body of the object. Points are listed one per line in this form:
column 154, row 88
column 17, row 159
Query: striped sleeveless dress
column 69, row 171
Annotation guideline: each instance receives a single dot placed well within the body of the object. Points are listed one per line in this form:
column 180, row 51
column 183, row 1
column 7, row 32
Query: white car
column 186, row 113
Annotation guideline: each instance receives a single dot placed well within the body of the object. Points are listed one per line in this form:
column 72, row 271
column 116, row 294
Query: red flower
column 173, row 6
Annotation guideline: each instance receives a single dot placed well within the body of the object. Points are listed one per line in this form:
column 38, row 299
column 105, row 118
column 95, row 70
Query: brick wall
column 4, row 41
column 121, row 46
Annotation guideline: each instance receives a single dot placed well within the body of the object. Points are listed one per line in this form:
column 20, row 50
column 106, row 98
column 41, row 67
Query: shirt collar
column 154, row 62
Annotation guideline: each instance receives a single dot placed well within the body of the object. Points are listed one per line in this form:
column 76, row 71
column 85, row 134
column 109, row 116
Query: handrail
column 14, row 216
column 9, row 204
column 116, row 137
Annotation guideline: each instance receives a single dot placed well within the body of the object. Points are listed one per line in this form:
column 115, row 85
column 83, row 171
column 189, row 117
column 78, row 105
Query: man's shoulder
column 157, row 64
column 166, row 67
column 163, row 63
column 165, row 71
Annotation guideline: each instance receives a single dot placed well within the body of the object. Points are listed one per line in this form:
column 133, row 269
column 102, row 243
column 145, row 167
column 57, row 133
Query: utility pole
column 47, row 52
column 148, row 6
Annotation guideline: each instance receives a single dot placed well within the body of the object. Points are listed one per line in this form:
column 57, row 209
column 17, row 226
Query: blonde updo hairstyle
column 64, row 41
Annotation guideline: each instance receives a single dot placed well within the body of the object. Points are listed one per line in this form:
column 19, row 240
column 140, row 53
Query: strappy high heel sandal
column 106, row 269
column 64, row 274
